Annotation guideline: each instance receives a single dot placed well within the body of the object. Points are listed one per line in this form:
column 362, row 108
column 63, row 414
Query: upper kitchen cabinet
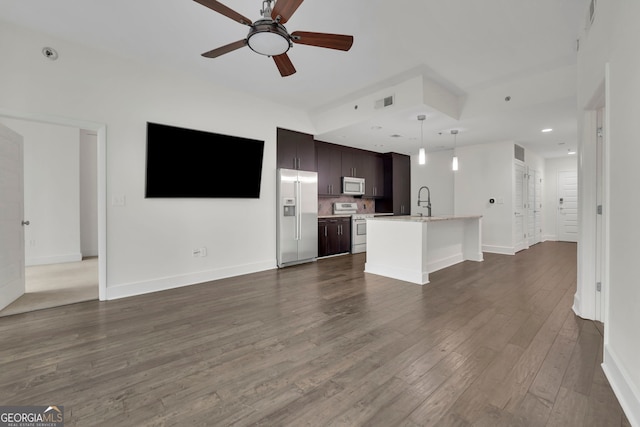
column 296, row 150
column 335, row 161
column 373, row 174
column 329, row 167
column 397, row 185
column 353, row 162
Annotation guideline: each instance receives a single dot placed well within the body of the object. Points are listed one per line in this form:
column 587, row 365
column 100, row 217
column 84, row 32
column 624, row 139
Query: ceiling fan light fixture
column 269, row 39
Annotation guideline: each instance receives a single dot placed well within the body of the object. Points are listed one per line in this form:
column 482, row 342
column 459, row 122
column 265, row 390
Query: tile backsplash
column 325, row 204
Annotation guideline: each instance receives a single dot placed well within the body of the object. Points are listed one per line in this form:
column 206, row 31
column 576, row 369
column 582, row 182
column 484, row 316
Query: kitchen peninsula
column 410, row 247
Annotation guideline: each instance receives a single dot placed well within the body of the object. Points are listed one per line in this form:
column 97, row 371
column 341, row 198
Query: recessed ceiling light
column 561, row 143
column 395, row 135
column 572, row 151
column 547, row 130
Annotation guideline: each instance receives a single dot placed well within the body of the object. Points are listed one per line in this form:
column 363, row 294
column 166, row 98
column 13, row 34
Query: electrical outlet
column 199, row 252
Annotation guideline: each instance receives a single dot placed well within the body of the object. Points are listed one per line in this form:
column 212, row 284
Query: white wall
column 550, row 197
column 613, row 39
column 485, row 172
column 150, row 241
column 534, row 161
column 88, row 193
column 438, row 176
column 51, row 189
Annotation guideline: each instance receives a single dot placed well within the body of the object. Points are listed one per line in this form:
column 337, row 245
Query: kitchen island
column 410, row 247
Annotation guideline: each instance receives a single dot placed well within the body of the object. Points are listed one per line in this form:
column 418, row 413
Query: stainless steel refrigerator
column 297, row 225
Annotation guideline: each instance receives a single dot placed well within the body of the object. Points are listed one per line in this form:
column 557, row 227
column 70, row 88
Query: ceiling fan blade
column 225, row 49
column 284, row 9
column 330, row 41
column 284, row 64
column 224, row 10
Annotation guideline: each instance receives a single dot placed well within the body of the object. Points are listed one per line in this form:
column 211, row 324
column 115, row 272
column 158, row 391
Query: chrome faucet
column 428, row 199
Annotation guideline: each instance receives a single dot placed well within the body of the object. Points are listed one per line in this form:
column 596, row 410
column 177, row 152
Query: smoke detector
column 50, row 53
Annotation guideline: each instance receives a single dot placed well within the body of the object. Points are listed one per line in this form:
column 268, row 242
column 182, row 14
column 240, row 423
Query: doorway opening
column 64, row 217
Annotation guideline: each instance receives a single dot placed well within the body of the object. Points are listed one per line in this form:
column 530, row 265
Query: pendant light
column 454, row 163
column 422, row 154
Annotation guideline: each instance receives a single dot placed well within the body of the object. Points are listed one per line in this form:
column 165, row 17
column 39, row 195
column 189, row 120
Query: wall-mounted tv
column 183, row 163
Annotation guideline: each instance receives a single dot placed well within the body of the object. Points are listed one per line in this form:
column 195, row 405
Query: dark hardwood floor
column 484, row 344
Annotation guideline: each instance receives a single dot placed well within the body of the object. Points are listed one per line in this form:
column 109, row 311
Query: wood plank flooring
column 484, row 344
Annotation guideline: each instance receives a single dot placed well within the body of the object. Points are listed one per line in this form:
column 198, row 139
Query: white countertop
column 376, row 214
column 424, row 218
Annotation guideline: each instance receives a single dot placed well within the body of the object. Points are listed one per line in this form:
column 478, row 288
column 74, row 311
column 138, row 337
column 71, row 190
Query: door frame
column 101, row 130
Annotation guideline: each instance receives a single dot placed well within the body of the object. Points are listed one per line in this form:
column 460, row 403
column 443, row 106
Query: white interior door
column 537, row 210
column 11, row 217
column 531, row 203
column 568, row 206
column 534, row 207
column 519, row 208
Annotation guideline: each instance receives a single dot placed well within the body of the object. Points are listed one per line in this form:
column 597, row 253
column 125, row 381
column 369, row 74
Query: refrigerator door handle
column 298, row 207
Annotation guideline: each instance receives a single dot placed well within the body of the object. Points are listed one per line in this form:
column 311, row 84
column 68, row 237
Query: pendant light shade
column 422, row 157
column 422, row 153
column 454, row 163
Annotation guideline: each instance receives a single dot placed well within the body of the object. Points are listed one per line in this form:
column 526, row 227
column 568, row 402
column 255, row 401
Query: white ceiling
column 481, row 51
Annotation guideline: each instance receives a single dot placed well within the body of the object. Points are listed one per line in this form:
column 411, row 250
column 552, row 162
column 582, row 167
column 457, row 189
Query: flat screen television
column 187, row 163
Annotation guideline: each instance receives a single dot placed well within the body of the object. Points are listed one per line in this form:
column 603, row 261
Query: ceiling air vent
column 384, row 102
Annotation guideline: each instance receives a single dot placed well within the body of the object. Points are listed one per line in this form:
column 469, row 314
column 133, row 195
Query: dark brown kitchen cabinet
column 329, row 167
column 354, row 162
column 296, row 150
column 373, row 174
column 397, row 185
column 335, row 161
column 334, row 236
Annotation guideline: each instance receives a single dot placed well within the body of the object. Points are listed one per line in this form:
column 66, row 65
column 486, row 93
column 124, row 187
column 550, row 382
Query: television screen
column 191, row 163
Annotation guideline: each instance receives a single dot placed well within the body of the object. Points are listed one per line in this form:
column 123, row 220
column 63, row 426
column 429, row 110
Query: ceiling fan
column 268, row 36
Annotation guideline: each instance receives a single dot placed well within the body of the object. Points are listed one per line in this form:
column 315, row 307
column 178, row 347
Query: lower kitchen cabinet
column 334, row 236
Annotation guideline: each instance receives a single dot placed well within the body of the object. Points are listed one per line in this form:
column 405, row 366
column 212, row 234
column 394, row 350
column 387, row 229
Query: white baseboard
column 164, row 283
column 577, row 306
column 549, row 238
column 53, row 259
column 626, row 392
column 502, row 250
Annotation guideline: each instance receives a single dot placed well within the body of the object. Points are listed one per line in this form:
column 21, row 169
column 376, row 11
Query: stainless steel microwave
column 352, row 186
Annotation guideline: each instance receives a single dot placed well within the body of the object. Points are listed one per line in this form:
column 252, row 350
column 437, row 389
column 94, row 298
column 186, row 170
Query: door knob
column 25, row 223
